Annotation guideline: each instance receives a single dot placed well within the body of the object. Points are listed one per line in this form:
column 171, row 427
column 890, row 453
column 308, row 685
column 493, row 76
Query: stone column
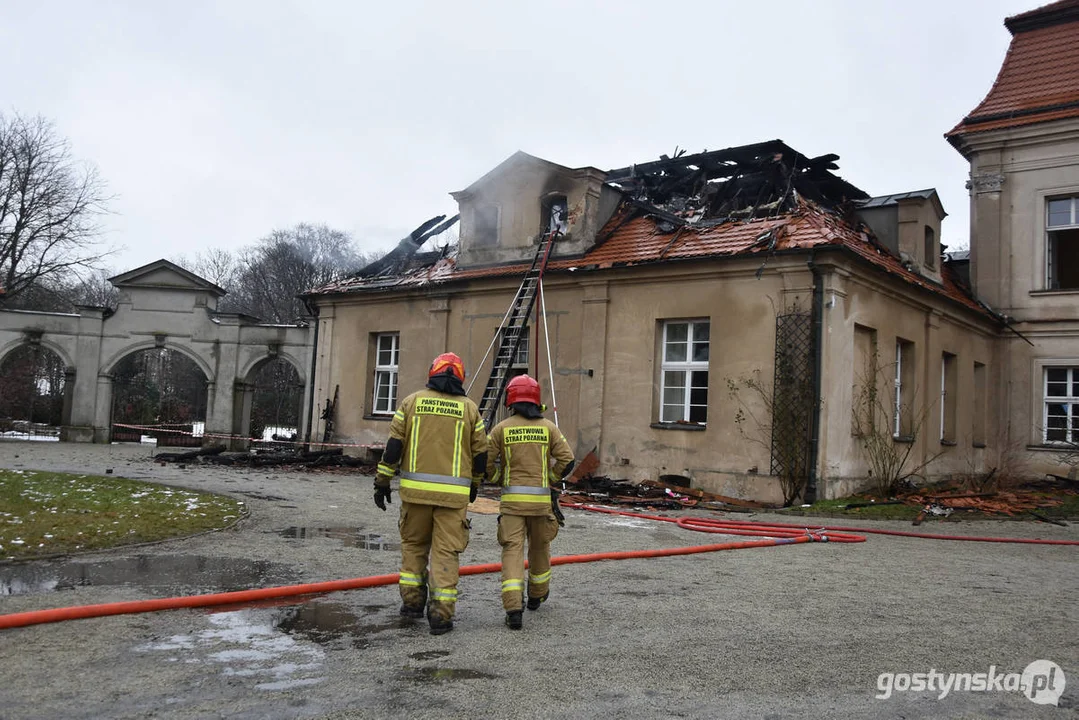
column 837, row 369
column 220, row 392
column 927, row 411
column 243, row 399
column 103, row 408
column 321, row 383
column 86, row 420
column 990, row 263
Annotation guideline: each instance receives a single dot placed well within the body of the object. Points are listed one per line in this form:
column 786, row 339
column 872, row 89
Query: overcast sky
column 215, row 123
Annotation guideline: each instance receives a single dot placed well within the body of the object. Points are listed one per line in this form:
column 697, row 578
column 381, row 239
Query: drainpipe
column 810, row 493
column 311, row 374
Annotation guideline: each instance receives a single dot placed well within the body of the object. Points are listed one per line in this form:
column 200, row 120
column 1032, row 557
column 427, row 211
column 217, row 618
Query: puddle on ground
column 326, row 622
column 437, row 674
column 165, row 575
column 349, row 537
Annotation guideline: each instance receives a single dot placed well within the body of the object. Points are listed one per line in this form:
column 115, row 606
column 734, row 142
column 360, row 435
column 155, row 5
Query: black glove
column 382, row 496
column 557, row 510
column 473, row 492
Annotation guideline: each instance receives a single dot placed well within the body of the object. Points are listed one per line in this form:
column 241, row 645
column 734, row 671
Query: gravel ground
column 784, row 632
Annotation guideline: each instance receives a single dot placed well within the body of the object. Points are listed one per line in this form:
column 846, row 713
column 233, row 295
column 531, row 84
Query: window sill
column 1059, row 291
column 948, row 443
column 378, row 418
column 903, row 438
column 692, row 427
column 979, row 445
column 1061, row 448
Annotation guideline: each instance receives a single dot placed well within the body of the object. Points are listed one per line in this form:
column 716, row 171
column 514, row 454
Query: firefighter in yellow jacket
column 438, row 450
column 532, row 452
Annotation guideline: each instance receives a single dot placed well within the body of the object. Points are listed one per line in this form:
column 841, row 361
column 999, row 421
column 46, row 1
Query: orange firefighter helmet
column 448, row 361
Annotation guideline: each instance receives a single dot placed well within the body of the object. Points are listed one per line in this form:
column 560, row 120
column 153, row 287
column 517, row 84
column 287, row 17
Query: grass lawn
column 47, row 513
column 838, row 508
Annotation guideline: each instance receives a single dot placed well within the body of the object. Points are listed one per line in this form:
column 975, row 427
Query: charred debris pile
column 271, row 456
column 737, row 184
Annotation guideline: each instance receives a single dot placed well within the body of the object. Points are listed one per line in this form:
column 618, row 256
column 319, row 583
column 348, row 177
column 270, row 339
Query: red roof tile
column 1039, row 79
column 641, row 241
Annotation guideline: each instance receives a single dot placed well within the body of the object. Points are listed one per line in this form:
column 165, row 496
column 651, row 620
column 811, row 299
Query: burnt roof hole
column 752, row 181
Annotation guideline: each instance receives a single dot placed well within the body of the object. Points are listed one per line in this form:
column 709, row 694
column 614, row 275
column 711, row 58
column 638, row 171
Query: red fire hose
column 834, row 533
column 784, row 536
column 771, row 534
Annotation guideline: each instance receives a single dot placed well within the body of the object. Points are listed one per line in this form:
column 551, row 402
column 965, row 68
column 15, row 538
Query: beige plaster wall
column 1013, row 173
column 934, row 327
column 606, row 328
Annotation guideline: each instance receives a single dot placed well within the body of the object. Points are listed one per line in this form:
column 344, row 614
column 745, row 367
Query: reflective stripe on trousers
column 526, row 493
column 411, row 579
column 436, row 483
column 444, row 595
column 539, row 579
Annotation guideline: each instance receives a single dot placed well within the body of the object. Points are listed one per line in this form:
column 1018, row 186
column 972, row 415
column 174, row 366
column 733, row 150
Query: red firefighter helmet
column 448, row 361
column 522, row 389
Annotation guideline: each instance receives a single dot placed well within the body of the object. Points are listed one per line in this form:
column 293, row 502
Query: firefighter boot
column 412, row 611
column 413, row 605
column 514, row 619
column 440, row 624
column 535, row 602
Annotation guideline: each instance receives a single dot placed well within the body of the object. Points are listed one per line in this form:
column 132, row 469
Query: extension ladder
column 512, row 329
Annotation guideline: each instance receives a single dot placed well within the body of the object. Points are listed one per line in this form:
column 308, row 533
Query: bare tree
column 53, row 294
column 217, row 265
column 271, row 274
column 94, row 289
column 49, row 207
column 892, row 459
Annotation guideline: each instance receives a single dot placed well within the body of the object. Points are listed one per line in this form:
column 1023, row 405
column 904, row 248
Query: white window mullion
column 943, row 392
column 898, row 412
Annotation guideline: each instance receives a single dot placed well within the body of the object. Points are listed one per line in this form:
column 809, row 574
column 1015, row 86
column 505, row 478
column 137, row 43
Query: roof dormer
column 506, row 212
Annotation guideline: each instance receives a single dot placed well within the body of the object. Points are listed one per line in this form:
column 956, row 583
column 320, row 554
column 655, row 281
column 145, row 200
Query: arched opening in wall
column 276, row 401
column 33, row 388
column 159, row 394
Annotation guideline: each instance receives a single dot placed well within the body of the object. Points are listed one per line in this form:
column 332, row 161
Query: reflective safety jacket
column 440, row 434
column 533, row 454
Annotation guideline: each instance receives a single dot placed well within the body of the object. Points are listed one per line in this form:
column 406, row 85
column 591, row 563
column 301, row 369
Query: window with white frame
column 1061, row 414
column 387, row 350
column 902, row 420
column 1062, row 250
column 684, row 372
